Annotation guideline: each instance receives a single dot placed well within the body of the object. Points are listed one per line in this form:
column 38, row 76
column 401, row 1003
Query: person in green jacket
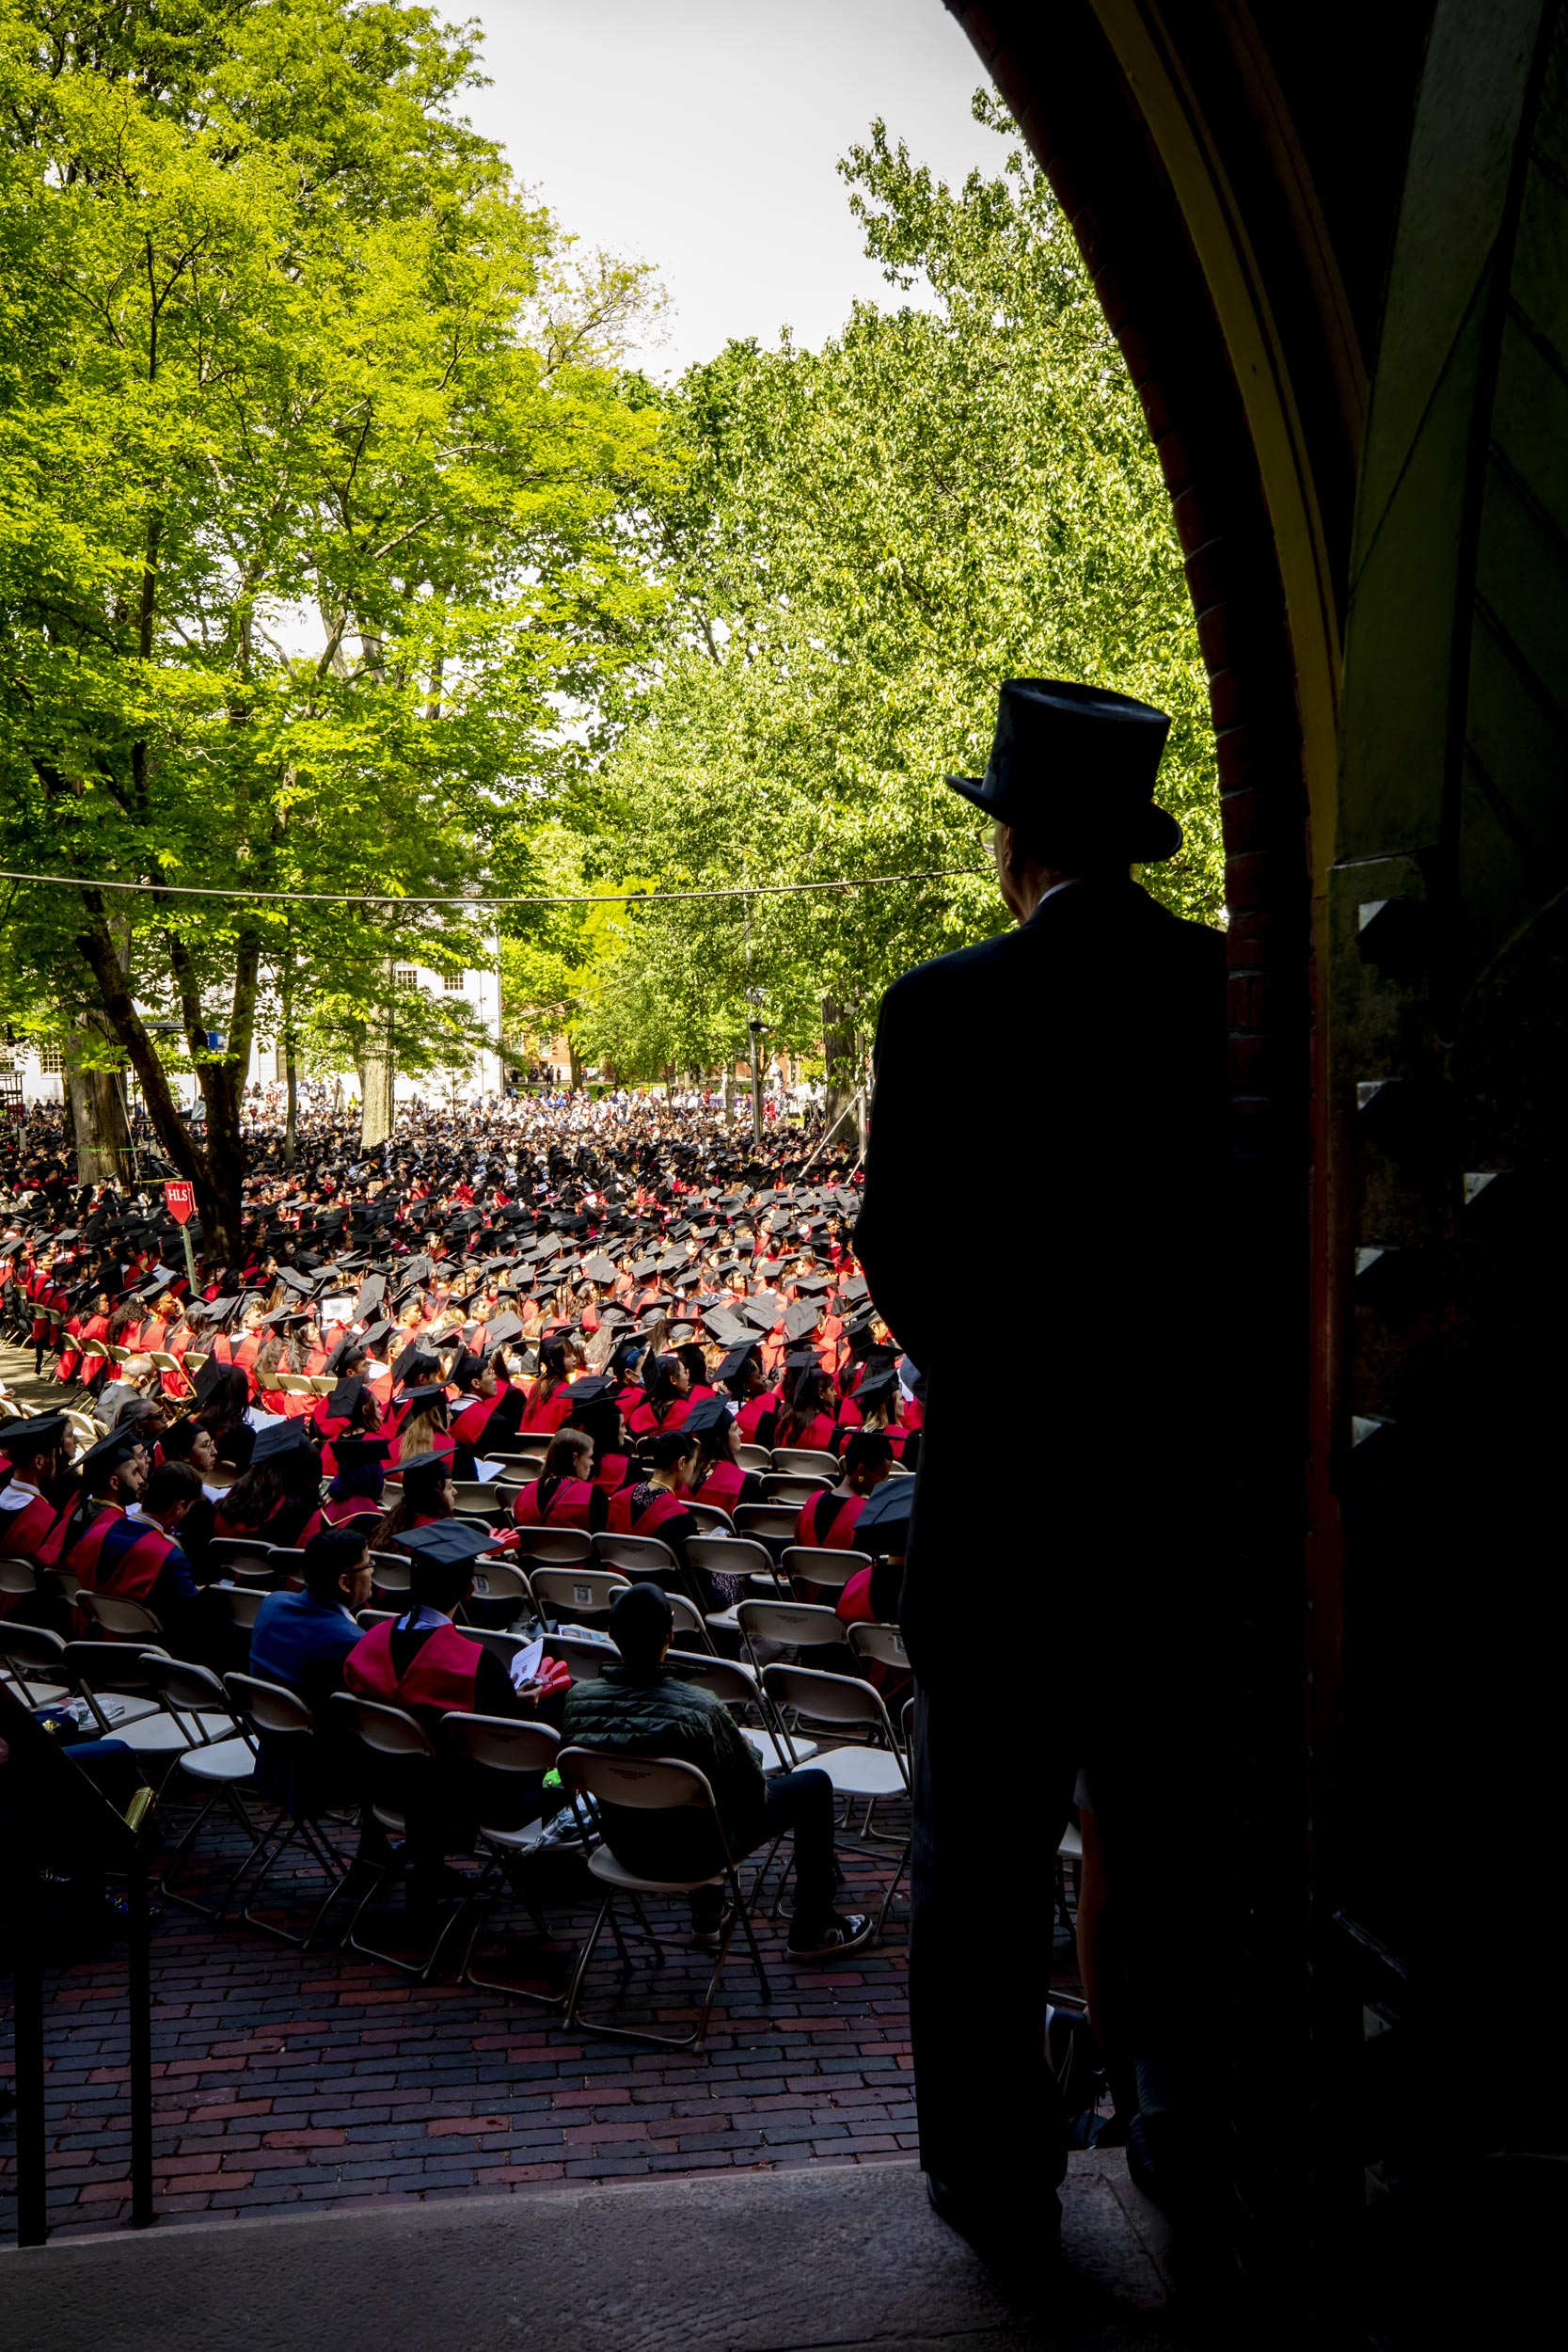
column 638, row 1707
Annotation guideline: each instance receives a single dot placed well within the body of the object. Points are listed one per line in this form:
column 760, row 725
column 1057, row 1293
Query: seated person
column 656, row 1505
column 30, row 1523
column 720, row 1478
column 420, row 1662
column 639, row 1707
column 302, row 1639
column 828, row 1522
column 113, row 1544
column 565, row 1494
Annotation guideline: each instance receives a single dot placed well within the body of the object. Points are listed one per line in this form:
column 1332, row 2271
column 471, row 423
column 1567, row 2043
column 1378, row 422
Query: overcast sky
column 702, row 136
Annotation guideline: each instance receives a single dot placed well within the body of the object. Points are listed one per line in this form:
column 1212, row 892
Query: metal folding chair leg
column 423, row 1969
column 332, row 1864
column 484, row 1902
column 692, row 2040
column 225, row 1794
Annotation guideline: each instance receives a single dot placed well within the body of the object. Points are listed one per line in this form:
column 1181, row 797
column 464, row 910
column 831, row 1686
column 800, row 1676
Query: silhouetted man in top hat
column 1091, row 1038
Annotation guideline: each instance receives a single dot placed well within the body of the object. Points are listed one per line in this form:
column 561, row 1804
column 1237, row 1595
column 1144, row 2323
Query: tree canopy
column 318, row 462
column 864, row 541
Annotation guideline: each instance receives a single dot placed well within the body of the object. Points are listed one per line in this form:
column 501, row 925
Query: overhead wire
column 486, row 897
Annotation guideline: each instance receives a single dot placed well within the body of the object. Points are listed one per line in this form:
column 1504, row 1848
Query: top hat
column 1076, row 764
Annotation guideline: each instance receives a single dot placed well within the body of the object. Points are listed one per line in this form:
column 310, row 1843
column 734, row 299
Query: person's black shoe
column 841, row 1931
column 1020, row 2253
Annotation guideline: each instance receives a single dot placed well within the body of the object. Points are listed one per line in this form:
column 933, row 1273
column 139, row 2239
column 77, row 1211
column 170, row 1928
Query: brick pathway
column 285, row 2079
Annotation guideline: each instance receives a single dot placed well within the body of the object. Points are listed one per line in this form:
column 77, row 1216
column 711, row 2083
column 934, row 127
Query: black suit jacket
column 1042, row 1206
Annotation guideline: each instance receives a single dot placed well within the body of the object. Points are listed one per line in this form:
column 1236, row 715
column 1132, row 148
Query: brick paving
column 286, row 2079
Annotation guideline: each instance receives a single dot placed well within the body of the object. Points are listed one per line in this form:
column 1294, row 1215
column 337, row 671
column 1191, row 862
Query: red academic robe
column 624, row 1520
column 828, row 1522
column 721, row 1484
column 440, row 1681
column 568, row 1506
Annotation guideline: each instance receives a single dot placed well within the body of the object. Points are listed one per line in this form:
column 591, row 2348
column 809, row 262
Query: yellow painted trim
column 1149, row 58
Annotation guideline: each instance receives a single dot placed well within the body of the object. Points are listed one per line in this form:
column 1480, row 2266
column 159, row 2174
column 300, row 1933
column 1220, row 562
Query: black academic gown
column 1080, row 1165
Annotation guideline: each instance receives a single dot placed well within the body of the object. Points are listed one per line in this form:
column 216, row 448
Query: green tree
column 318, row 465
column 865, row 541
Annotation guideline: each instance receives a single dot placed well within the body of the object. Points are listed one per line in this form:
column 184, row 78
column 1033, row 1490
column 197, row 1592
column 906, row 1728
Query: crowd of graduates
column 648, row 1296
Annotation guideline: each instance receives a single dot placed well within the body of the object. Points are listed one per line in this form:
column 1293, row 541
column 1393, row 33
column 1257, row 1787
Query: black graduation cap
column 346, row 1452
column 116, row 1448
column 277, row 1438
column 300, row 1283
column 208, row 1378
column 345, row 1400
column 801, row 1319
column 372, row 1290
column 802, row 1360
column 589, row 1390
column 501, row 1333
column 886, row 1515
column 448, row 1540
column 875, row 1391
column 761, row 1312
column 42, row 1431
column 375, row 1333
column 812, row 1285
column 854, row 1290
column 598, row 1268
column 219, row 1310
column 421, row 1400
column 290, row 1313
column 424, row 1462
column 709, row 1412
column 415, row 1355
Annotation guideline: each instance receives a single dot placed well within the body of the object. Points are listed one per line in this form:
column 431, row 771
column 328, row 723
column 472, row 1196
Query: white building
column 36, row 1071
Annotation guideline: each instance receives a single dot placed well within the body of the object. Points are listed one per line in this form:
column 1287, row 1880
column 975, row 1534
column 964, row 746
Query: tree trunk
column 377, row 1071
column 729, row 1094
column 838, row 1047
column 576, row 1059
column 216, row 1173
column 97, row 1109
column 291, row 1066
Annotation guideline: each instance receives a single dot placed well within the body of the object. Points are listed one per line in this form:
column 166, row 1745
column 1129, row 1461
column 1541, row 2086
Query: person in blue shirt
column 302, row 1639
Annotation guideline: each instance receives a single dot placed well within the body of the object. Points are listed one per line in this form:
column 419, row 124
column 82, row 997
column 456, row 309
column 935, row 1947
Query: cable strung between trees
column 484, row 898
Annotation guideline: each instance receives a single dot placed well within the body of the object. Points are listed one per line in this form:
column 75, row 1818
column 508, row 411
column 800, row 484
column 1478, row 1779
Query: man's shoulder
column 965, row 968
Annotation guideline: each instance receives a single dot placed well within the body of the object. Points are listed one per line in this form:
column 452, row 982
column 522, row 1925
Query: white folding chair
column 807, row 1458
column 218, row 1765
column 788, row 1625
column 32, row 1657
column 555, row 1546
column 794, row 1488
column 843, row 1703
column 285, row 1732
column 577, row 1591
column 114, row 1615
column 755, row 1457
column 740, row 1685
column 825, row 1571
column 653, row 1784
column 709, row 1517
column 19, row 1579
column 480, row 1499
column 400, row 1761
column 501, row 1591
column 584, row 1656
column 497, row 1752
